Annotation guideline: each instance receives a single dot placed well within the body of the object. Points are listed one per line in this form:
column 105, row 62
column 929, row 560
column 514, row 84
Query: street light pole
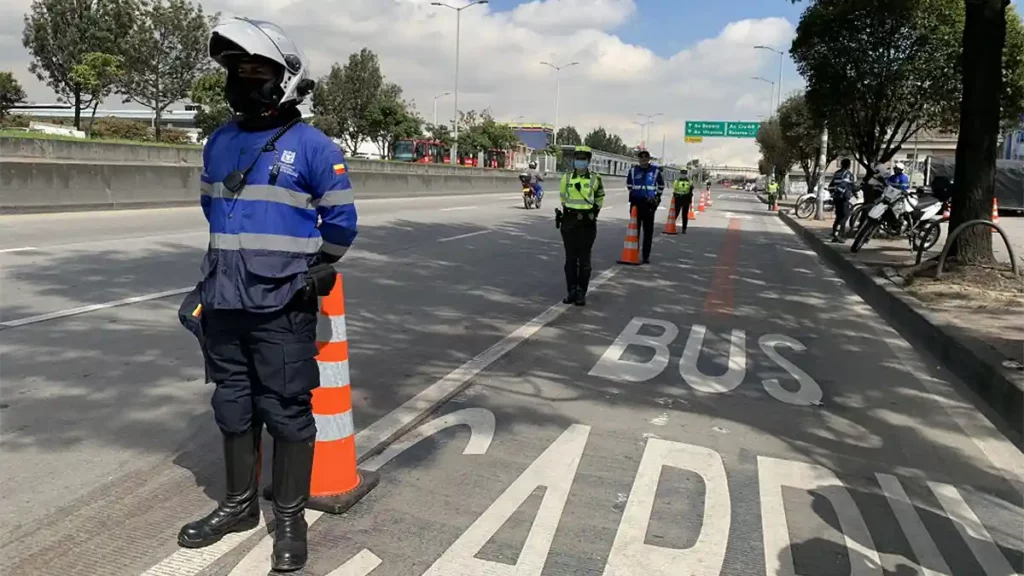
column 771, row 103
column 558, row 91
column 782, row 57
column 458, row 30
column 435, row 105
column 650, row 124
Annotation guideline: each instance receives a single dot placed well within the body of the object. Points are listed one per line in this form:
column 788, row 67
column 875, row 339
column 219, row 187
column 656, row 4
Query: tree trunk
column 157, row 114
column 976, row 148
column 78, row 108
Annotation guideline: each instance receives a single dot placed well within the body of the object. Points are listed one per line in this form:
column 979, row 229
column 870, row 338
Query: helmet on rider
column 266, row 70
column 581, row 156
column 533, row 165
column 899, row 167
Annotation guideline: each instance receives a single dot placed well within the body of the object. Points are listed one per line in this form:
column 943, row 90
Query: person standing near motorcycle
column 773, row 192
column 842, row 192
column 899, row 179
column 267, row 179
column 682, row 193
column 645, row 184
column 534, row 180
column 582, row 195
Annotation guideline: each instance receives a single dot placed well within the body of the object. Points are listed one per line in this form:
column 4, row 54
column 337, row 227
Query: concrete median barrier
column 39, row 175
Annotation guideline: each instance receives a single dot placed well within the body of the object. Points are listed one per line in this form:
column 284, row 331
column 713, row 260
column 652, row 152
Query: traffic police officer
column 773, row 193
column 842, row 193
column 682, row 192
column 645, row 184
column 267, row 178
column 582, row 195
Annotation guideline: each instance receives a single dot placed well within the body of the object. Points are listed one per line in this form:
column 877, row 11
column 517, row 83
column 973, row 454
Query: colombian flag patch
column 339, row 169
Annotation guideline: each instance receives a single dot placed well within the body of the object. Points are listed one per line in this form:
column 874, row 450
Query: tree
column 774, row 148
column 600, row 139
column 345, row 98
column 97, row 75
column 992, row 44
column 440, row 132
column 569, row 136
column 11, row 93
column 391, row 118
column 801, row 135
column 59, row 33
column 166, row 51
column 208, row 94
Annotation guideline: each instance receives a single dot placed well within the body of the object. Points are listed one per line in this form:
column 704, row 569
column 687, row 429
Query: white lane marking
column 92, row 308
column 255, row 562
column 461, row 236
column 986, row 552
column 360, row 565
column 377, row 436
column 22, row 249
column 928, row 555
column 457, row 208
column 481, row 431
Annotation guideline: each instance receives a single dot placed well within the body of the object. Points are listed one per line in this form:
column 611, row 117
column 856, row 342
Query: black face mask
column 250, row 96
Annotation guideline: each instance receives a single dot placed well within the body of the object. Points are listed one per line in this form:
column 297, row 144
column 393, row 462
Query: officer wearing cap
column 582, row 195
column 645, row 184
column 267, row 179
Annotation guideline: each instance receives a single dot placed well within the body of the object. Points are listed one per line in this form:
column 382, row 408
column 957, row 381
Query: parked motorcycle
column 807, row 204
column 914, row 214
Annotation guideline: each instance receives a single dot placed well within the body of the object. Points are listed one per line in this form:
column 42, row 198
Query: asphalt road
column 730, row 409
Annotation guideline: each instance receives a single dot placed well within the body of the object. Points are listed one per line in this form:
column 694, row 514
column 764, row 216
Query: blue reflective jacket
column 263, row 240
column 901, row 181
column 644, row 184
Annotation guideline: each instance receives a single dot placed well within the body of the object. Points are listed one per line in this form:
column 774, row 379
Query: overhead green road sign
column 722, row 129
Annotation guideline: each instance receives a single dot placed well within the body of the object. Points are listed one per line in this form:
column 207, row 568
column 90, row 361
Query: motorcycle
column 915, row 214
column 531, row 197
column 807, row 203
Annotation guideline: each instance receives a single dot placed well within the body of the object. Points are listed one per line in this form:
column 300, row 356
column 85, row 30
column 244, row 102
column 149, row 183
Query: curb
column 974, row 362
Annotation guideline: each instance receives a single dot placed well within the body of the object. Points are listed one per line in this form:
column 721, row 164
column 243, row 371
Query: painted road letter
column 727, row 382
column 611, row 365
column 809, row 393
column 773, row 474
column 555, row 469
column 630, row 555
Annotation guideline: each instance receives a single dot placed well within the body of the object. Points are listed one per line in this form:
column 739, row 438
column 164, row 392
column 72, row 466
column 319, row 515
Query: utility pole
column 458, row 34
column 819, row 213
column 558, row 91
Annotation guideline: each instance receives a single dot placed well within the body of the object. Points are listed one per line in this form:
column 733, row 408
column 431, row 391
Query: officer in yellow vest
column 682, row 191
column 773, row 193
column 582, row 194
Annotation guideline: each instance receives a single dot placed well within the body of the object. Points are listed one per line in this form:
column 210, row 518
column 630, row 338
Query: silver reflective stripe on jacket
column 247, row 241
column 264, row 192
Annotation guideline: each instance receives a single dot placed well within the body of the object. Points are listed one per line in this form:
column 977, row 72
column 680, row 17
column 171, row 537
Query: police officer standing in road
column 773, row 192
column 645, row 184
column 582, row 195
column 842, row 192
column 682, row 192
column 266, row 179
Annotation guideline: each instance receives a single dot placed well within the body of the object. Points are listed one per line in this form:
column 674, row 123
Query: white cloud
column 500, row 55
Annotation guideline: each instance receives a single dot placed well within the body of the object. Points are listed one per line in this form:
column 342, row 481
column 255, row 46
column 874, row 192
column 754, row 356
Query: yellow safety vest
column 773, row 188
column 579, row 193
column 683, row 187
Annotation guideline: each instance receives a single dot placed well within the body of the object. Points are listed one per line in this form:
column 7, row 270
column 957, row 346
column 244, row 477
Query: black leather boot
column 240, row 509
column 571, row 298
column 293, row 466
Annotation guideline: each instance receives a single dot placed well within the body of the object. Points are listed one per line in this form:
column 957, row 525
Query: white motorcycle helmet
column 900, row 166
column 233, row 38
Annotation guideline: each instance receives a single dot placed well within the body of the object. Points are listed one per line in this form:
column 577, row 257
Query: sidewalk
column 972, row 322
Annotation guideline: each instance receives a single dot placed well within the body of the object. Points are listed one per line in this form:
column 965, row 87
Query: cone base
column 666, row 232
column 339, row 503
column 637, row 263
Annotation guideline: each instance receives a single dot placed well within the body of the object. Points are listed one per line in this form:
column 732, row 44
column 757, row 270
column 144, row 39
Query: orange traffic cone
column 336, row 484
column 670, row 225
column 775, row 205
column 710, row 203
column 995, row 213
column 701, row 207
column 631, row 246
column 692, row 215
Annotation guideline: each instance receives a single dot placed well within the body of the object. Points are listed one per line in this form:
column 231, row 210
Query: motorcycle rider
column 279, row 204
column 534, row 179
column 898, row 178
column 842, row 192
column 582, row 195
column 682, row 193
column 645, row 184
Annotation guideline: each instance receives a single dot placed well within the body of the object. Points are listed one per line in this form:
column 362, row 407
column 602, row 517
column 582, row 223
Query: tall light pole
column 782, row 57
column 458, row 29
column 642, row 125
column 649, row 124
column 771, row 102
column 558, row 90
column 435, row 105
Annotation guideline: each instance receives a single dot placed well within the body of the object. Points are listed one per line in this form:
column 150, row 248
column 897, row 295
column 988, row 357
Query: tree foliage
column 569, row 136
column 97, row 75
column 11, row 93
column 391, row 118
column 601, row 139
column 208, row 94
column 165, row 52
column 775, row 150
column 801, row 134
column 479, row 131
column 59, row 33
column 440, row 132
column 345, row 99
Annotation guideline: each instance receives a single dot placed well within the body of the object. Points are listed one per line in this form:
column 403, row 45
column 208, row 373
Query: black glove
column 320, row 279
column 594, row 212
column 558, row 218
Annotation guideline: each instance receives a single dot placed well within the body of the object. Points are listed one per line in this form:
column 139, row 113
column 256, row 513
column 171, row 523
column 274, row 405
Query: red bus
column 420, row 151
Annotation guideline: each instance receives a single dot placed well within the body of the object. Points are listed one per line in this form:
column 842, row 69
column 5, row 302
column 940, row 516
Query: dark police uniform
column 645, row 186
column 582, row 198
column 842, row 186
